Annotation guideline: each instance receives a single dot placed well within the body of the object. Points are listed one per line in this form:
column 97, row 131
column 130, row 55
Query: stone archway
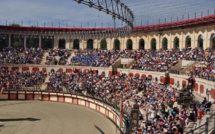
column 141, row 44
column 90, row 44
column 17, row 41
column 47, row 42
column 116, row 44
column 176, row 43
column 153, row 44
column 188, row 42
column 76, row 44
column 200, row 41
column 165, row 44
column 129, row 44
column 32, row 42
column 103, row 44
column 212, row 41
column 62, row 44
column 4, row 40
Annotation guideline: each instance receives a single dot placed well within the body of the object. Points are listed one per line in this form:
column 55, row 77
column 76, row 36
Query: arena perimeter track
column 36, row 117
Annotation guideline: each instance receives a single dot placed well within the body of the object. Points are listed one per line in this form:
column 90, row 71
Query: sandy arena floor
column 35, row 117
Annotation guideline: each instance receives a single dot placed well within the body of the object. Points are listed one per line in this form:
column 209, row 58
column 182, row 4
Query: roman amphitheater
column 82, row 80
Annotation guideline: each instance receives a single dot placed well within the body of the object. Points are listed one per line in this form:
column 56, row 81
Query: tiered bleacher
column 58, row 56
column 21, row 55
column 156, row 100
column 95, row 58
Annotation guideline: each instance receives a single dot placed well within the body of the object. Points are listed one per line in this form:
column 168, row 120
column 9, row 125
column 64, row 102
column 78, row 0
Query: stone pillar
column 159, row 41
column 40, row 42
column 68, row 45
column 71, row 43
column 56, row 42
column 9, row 40
column 25, row 40
column 170, row 44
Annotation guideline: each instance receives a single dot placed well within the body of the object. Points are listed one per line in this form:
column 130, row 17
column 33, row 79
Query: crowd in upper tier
column 21, row 55
column 159, row 60
column 57, row 57
column 96, row 58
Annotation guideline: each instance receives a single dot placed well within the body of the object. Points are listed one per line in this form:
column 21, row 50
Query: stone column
column 40, row 42
column 67, row 45
column 9, row 40
column 56, row 40
column 25, row 40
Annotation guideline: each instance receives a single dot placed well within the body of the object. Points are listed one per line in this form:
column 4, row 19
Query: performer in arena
column 2, row 90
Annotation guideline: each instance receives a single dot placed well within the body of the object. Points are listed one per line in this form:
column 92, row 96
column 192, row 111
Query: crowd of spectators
column 58, row 56
column 96, row 58
column 206, row 68
column 21, row 55
column 17, row 80
column 158, row 100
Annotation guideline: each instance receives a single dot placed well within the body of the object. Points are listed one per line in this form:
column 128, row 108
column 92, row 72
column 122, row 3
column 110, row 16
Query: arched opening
column 76, row 44
column 188, row 42
column 165, row 44
column 90, row 44
column 141, row 44
column 32, row 42
column 116, row 44
column 62, row 44
column 200, row 41
column 212, row 43
column 176, row 43
column 129, row 44
column 17, row 41
column 153, row 44
column 103, row 44
column 3, row 41
column 47, row 42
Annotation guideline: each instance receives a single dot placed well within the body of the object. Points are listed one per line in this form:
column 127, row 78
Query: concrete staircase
column 44, row 58
column 188, row 67
column 44, row 85
column 211, row 120
column 70, row 57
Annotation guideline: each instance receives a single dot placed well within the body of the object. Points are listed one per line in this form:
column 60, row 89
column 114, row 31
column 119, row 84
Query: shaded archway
column 90, row 44
column 4, row 40
column 153, row 44
column 212, row 41
column 17, row 41
column 165, row 44
column 188, row 42
column 103, row 44
column 47, row 42
column 76, row 44
column 129, row 44
column 200, row 41
column 32, row 42
column 176, row 43
column 62, row 44
column 116, row 44
column 141, row 44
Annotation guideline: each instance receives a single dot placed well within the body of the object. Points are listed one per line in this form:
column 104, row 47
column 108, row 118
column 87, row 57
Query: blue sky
column 68, row 12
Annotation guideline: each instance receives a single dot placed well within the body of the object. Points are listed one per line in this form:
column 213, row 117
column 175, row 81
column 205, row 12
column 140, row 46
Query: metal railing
column 205, row 128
